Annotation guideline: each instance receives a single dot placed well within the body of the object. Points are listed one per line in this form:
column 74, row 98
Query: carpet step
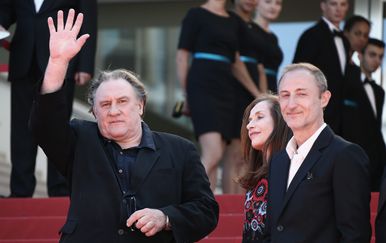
column 33, row 228
column 31, row 207
column 229, row 225
column 221, row 240
column 31, row 241
column 230, row 203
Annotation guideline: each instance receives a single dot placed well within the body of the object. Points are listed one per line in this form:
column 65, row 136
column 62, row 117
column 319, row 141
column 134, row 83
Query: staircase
column 38, row 220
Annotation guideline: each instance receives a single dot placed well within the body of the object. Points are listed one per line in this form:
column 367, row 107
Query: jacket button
column 121, row 232
column 280, row 228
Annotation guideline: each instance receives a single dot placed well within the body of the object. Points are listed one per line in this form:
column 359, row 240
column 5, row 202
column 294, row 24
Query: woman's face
column 247, row 6
column 260, row 125
column 269, row 9
column 358, row 36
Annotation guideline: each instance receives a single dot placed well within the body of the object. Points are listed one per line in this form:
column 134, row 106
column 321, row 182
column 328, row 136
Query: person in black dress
column 209, row 35
column 251, row 44
column 272, row 56
column 264, row 132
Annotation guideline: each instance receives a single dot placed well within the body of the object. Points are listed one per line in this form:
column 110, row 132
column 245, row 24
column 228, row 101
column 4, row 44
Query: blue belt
column 211, row 56
column 270, row 72
column 248, row 59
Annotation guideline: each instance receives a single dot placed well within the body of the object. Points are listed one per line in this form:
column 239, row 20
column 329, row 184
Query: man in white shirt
column 324, row 46
column 363, row 106
column 319, row 189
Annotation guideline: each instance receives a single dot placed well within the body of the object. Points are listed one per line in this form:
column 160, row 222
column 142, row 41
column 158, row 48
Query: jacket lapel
column 278, row 182
column 46, row 5
column 305, row 169
column 379, row 100
column 331, row 42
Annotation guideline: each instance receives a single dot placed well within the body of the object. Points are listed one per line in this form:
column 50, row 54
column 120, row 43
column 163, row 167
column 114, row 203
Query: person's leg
column 23, row 146
column 212, row 149
column 232, row 167
column 57, row 185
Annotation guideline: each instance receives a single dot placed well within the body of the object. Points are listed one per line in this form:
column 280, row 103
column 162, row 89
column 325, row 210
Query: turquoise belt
column 248, row 59
column 211, row 56
column 270, row 72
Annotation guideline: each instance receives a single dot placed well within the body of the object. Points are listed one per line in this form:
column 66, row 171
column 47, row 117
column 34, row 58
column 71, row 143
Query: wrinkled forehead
column 297, row 79
column 115, row 88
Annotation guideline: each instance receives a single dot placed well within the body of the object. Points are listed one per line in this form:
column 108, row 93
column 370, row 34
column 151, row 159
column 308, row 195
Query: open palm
column 64, row 43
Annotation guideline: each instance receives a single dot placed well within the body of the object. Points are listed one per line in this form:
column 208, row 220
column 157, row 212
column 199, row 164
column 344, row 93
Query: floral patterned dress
column 255, row 211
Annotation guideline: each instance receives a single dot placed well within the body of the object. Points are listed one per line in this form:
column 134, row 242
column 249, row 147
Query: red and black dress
column 255, row 211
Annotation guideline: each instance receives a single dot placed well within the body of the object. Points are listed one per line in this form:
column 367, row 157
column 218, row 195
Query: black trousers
column 23, row 145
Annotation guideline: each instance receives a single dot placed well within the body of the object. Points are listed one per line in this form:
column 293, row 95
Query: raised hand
column 64, row 43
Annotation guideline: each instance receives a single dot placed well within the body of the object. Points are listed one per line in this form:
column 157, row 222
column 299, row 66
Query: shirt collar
column 305, row 148
column 363, row 77
column 330, row 25
column 147, row 140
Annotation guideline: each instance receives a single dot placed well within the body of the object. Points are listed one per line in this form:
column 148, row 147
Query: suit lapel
column 46, row 5
column 278, row 181
column 282, row 176
column 305, row 169
column 144, row 163
column 379, row 99
column 332, row 46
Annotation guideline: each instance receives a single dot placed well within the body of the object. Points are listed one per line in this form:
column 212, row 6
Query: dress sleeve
column 189, row 31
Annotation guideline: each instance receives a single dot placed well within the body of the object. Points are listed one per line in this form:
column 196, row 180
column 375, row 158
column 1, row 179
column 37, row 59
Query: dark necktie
column 368, row 81
column 337, row 33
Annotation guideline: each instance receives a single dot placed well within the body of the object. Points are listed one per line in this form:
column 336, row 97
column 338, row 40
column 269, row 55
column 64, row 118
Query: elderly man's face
column 117, row 110
column 301, row 102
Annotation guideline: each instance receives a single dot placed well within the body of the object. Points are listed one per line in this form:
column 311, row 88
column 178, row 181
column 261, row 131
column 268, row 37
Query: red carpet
column 39, row 220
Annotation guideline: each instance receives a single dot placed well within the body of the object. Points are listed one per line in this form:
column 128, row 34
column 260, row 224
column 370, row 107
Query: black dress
column 210, row 83
column 251, row 45
column 271, row 57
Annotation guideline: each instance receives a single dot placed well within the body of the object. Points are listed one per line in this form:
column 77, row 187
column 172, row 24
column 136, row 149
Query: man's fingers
column 81, row 40
column 78, row 24
column 133, row 218
column 151, row 232
column 60, row 20
column 145, row 227
column 51, row 26
column 70, row 19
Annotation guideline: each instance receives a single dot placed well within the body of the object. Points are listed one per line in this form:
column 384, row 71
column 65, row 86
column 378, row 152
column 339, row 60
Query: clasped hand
column 148, row 221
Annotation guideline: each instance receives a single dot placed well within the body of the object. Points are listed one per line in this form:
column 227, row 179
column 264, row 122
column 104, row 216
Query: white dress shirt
column 339, row 45
column 370, row 93
column 38, row 4
column 297, row 155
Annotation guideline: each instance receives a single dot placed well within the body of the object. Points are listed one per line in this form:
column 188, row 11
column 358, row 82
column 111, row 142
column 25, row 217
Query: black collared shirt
column 125, row 158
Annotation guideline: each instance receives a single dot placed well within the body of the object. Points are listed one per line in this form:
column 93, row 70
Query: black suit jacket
column 31, row 38
column 328, row 198
column 317, row 46
column 359, row 123
column 171, row 178
column 380, row 221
